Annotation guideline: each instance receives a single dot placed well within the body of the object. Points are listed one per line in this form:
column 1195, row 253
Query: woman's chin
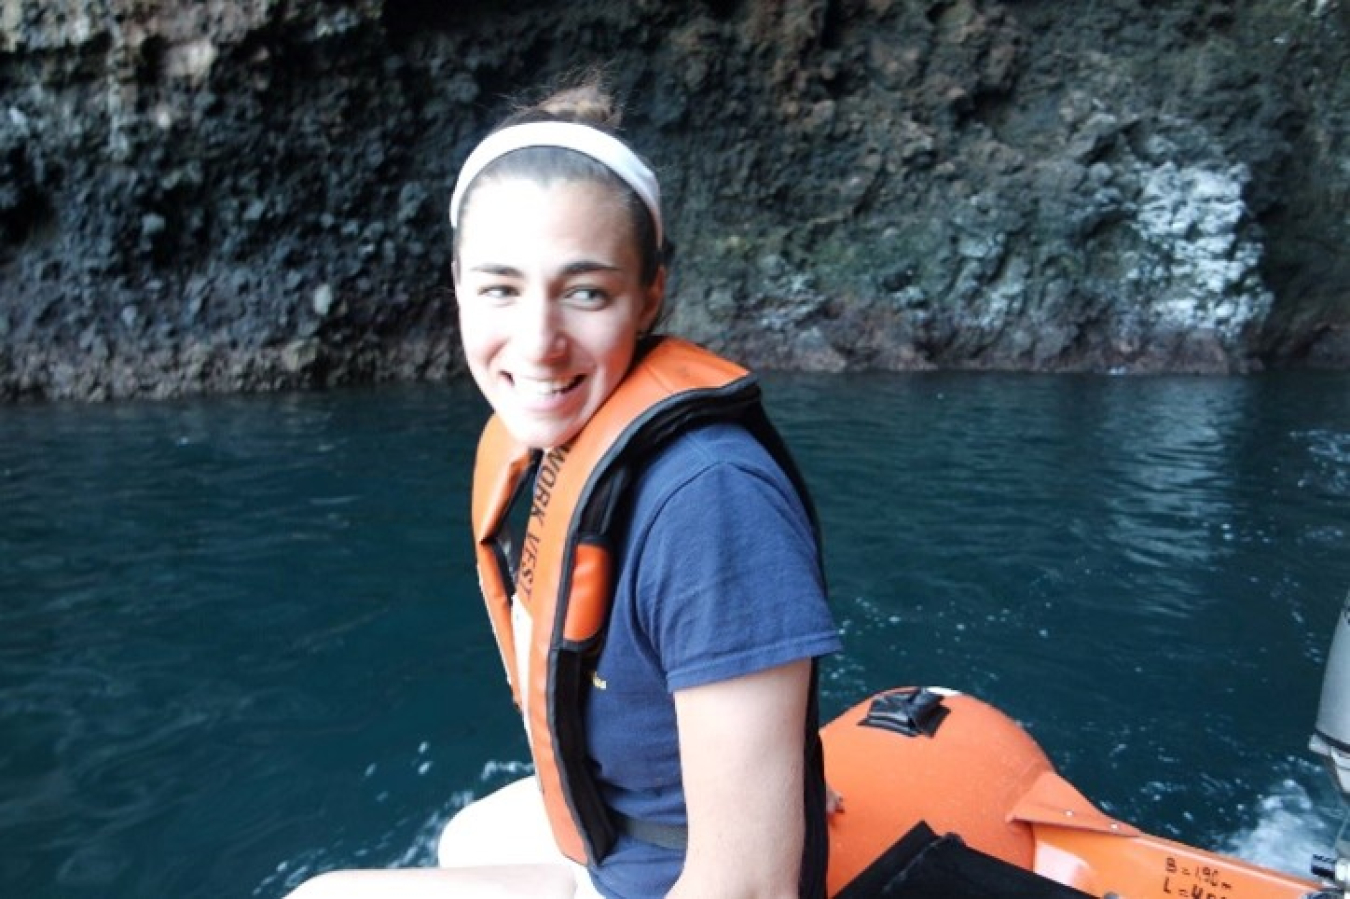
column 540, row 434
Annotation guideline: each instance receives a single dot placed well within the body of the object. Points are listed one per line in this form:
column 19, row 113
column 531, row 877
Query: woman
column 661, row 617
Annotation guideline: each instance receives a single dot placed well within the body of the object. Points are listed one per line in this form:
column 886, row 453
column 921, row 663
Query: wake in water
column 1292, row 826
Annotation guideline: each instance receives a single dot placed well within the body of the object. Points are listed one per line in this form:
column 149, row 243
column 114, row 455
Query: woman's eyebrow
column 579, row 267
column 586, row 266
column 496, row 268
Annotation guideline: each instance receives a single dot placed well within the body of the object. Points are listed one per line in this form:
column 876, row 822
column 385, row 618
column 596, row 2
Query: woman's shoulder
column 721, row 447
column 717, row 463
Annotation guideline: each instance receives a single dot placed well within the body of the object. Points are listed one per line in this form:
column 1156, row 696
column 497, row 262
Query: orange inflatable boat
column 945, row 796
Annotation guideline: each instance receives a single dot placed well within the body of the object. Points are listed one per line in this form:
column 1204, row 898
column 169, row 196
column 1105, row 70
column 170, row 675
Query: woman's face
column 551, row 300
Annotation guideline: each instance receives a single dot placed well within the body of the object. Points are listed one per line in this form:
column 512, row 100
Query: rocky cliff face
column 250, row 194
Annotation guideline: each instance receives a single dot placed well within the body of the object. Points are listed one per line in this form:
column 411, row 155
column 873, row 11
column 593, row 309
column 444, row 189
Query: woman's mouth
column 543, row 388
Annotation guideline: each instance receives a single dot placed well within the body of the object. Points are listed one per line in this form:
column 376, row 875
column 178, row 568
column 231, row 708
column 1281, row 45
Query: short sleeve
column 727, row 574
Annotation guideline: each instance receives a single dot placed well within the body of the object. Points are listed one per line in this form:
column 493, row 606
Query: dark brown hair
column 585, row 103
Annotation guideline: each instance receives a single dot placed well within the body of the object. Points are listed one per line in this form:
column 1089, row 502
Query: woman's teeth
column 549, row 387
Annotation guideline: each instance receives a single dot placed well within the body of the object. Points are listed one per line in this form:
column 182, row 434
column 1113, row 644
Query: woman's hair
column 586, row 103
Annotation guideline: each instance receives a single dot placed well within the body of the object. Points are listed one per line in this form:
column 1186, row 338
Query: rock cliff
column 207, row 195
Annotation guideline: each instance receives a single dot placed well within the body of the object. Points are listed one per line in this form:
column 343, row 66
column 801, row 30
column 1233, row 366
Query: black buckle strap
column 668, row 836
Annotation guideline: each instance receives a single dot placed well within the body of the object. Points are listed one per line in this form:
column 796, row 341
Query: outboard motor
column 1331, row 740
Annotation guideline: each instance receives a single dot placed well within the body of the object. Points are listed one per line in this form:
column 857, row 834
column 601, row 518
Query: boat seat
column 924, row 865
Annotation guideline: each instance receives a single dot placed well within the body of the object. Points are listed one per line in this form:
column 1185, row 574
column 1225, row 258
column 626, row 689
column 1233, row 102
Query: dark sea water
column 240, row 640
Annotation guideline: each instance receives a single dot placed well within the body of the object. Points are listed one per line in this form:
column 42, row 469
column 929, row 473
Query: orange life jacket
column 561, row 571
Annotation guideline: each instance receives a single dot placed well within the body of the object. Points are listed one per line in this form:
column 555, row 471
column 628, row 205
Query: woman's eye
column 588, row 297
column 497, row 292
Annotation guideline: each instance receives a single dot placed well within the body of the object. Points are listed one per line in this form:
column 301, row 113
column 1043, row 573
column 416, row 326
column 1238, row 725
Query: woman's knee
column 505, row 827
column 332, row 885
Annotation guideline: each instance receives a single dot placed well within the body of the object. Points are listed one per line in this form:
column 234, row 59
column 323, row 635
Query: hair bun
column 587, row 103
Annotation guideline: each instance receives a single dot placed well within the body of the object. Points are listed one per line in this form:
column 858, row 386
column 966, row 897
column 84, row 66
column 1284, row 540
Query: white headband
column 607, row 150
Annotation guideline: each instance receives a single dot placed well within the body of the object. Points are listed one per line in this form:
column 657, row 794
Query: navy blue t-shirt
column 718, row 577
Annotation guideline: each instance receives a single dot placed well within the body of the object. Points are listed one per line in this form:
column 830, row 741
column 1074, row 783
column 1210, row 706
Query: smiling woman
column 550, row 302
column 662, row 616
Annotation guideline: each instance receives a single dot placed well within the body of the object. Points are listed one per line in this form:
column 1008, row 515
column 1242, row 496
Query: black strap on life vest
column 667, row 836
column 599, row 511
column 740, row 403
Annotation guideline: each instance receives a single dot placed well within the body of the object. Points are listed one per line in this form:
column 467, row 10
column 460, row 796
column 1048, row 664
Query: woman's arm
column 741, row 751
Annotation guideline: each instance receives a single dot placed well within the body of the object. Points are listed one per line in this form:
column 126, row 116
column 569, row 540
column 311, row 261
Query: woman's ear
column 656, row 295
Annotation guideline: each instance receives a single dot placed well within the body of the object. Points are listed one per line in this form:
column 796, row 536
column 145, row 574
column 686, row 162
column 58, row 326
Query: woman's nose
column 539, row 329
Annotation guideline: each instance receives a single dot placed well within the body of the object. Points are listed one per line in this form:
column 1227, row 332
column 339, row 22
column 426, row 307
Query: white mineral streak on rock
column 191, row 59
column 322, row 300
column 1203, row 270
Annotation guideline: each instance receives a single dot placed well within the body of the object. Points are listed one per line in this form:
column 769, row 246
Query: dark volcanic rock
column 245, row 195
